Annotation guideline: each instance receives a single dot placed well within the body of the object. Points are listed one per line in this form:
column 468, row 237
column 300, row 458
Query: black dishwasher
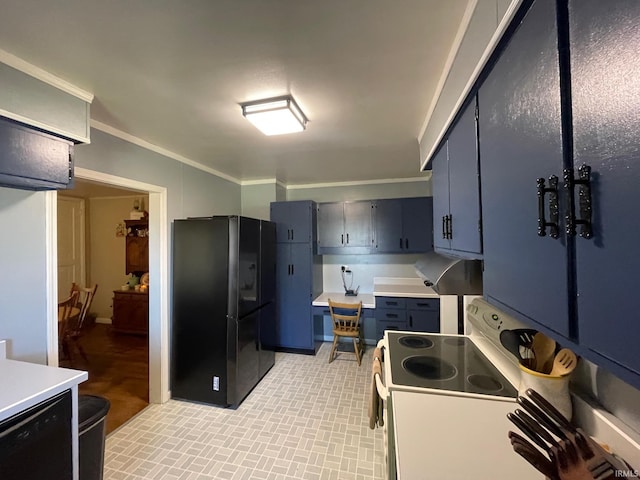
column 35, row 444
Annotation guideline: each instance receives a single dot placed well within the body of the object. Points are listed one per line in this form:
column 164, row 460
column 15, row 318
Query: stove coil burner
column 456, row 342
column 430, row 368
column 414, row 341
column 484, row 382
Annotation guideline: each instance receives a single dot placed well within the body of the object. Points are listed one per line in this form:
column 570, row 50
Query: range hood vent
column 450, row 276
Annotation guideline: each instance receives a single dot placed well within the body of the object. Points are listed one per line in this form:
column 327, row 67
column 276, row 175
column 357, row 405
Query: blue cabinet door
column 605, row 98
column 464, row 185
column 358, row 224
column 388, row 220
column 295, row 221
column 34, row 160
column 295, row 326
column 440, row 190
column 417, row 224
column 331, row 225
column 424, row 321
column 520, row 141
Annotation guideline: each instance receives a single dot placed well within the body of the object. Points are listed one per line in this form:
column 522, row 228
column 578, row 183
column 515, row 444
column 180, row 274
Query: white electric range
column 447, row 401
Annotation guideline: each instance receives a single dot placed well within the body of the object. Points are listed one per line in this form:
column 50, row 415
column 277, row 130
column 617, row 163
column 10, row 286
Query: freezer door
column 243, row 363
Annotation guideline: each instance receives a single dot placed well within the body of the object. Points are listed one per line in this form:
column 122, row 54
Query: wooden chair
column 346, row 323
column 65, row 310
column 75, row 324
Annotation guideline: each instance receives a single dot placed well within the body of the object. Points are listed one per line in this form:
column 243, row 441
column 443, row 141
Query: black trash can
column 92, row 411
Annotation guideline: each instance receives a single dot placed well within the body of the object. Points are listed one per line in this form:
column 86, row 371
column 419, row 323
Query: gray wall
column 257, row 198
column 23, row 307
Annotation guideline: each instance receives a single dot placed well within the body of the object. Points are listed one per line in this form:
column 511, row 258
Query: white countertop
column 367, row 299
column 402, row 287
column 26, row 384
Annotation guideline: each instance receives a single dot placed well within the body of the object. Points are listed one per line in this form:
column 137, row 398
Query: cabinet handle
column 422, row 304
column 552, row 190
column 342, row 239
column 292, row 268
column 392, row 315
column 347, row 239
column 400, row 243
column 292, row 234
column 447, row 227
column 444, row 226
column 411, row 321
column 406, row 243
column 584, row 201
column 391, row 303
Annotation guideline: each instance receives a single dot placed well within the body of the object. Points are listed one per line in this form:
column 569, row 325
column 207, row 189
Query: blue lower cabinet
column 410, row 314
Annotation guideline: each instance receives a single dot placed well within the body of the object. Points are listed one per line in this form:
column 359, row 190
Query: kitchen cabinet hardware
column 406, row 243
column 347, row 239
column 342, row 239
column 292, row 269
column 401, row 243
column 552, row 190
column 444, row 227
column 410, row 321
column 584, row 201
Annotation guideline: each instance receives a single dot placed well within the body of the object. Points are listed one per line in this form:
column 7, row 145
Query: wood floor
column 118, row 367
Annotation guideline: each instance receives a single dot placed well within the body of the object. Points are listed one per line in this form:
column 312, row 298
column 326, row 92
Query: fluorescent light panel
column 275, row 116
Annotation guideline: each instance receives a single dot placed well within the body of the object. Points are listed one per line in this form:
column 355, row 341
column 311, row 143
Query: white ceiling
column 173, row 73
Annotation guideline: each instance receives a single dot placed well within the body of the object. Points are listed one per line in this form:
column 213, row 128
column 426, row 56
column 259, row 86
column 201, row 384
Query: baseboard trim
column 103, row 320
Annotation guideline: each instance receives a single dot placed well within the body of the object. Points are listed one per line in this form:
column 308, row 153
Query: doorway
column 158, row 270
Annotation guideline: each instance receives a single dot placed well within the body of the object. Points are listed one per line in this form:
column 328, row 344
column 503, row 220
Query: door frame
column 158, row 270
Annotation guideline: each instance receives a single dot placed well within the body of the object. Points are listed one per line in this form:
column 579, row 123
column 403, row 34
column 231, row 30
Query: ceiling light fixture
column 275, row 116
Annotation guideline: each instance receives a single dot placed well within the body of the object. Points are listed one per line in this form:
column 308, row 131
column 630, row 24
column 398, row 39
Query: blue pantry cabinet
column 558, row 143
column 403, row 225
column 298, row 274
column 456, row 190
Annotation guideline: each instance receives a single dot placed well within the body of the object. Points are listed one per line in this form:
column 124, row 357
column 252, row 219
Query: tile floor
column 307, row 419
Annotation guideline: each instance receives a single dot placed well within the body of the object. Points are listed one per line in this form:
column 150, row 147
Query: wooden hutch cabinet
column 137, row 246
column 130, row 311
column 131, row 307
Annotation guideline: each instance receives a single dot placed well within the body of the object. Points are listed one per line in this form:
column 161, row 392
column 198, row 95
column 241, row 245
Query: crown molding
column 37, row 72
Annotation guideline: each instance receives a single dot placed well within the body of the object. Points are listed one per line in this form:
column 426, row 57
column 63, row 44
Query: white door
column 70, row 244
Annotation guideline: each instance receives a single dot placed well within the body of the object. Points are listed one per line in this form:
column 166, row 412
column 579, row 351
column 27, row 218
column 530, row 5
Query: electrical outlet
column 344, row 267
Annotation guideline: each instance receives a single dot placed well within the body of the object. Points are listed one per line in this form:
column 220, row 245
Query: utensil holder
column 555, row 389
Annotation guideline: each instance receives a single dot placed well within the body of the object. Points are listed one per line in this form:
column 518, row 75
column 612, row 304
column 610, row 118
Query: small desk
column 321, row 310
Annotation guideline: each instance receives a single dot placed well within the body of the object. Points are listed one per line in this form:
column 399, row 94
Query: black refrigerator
column 223, row 307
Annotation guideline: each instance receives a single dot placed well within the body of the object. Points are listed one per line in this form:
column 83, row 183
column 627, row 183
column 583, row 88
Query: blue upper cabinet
column 403, row 225
column 604, row 46
column 559, row 150
column 521, row 154
column 345, row 227
column 456, row 190
column 295, row 221
column 33, row 160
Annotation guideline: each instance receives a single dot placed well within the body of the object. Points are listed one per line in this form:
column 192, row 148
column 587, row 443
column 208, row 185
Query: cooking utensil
column 536, row 427
column 564, row 363
column 524, row 428
column 518, row 342
column 543, row 348
column 536, row 413
column 532, row 455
